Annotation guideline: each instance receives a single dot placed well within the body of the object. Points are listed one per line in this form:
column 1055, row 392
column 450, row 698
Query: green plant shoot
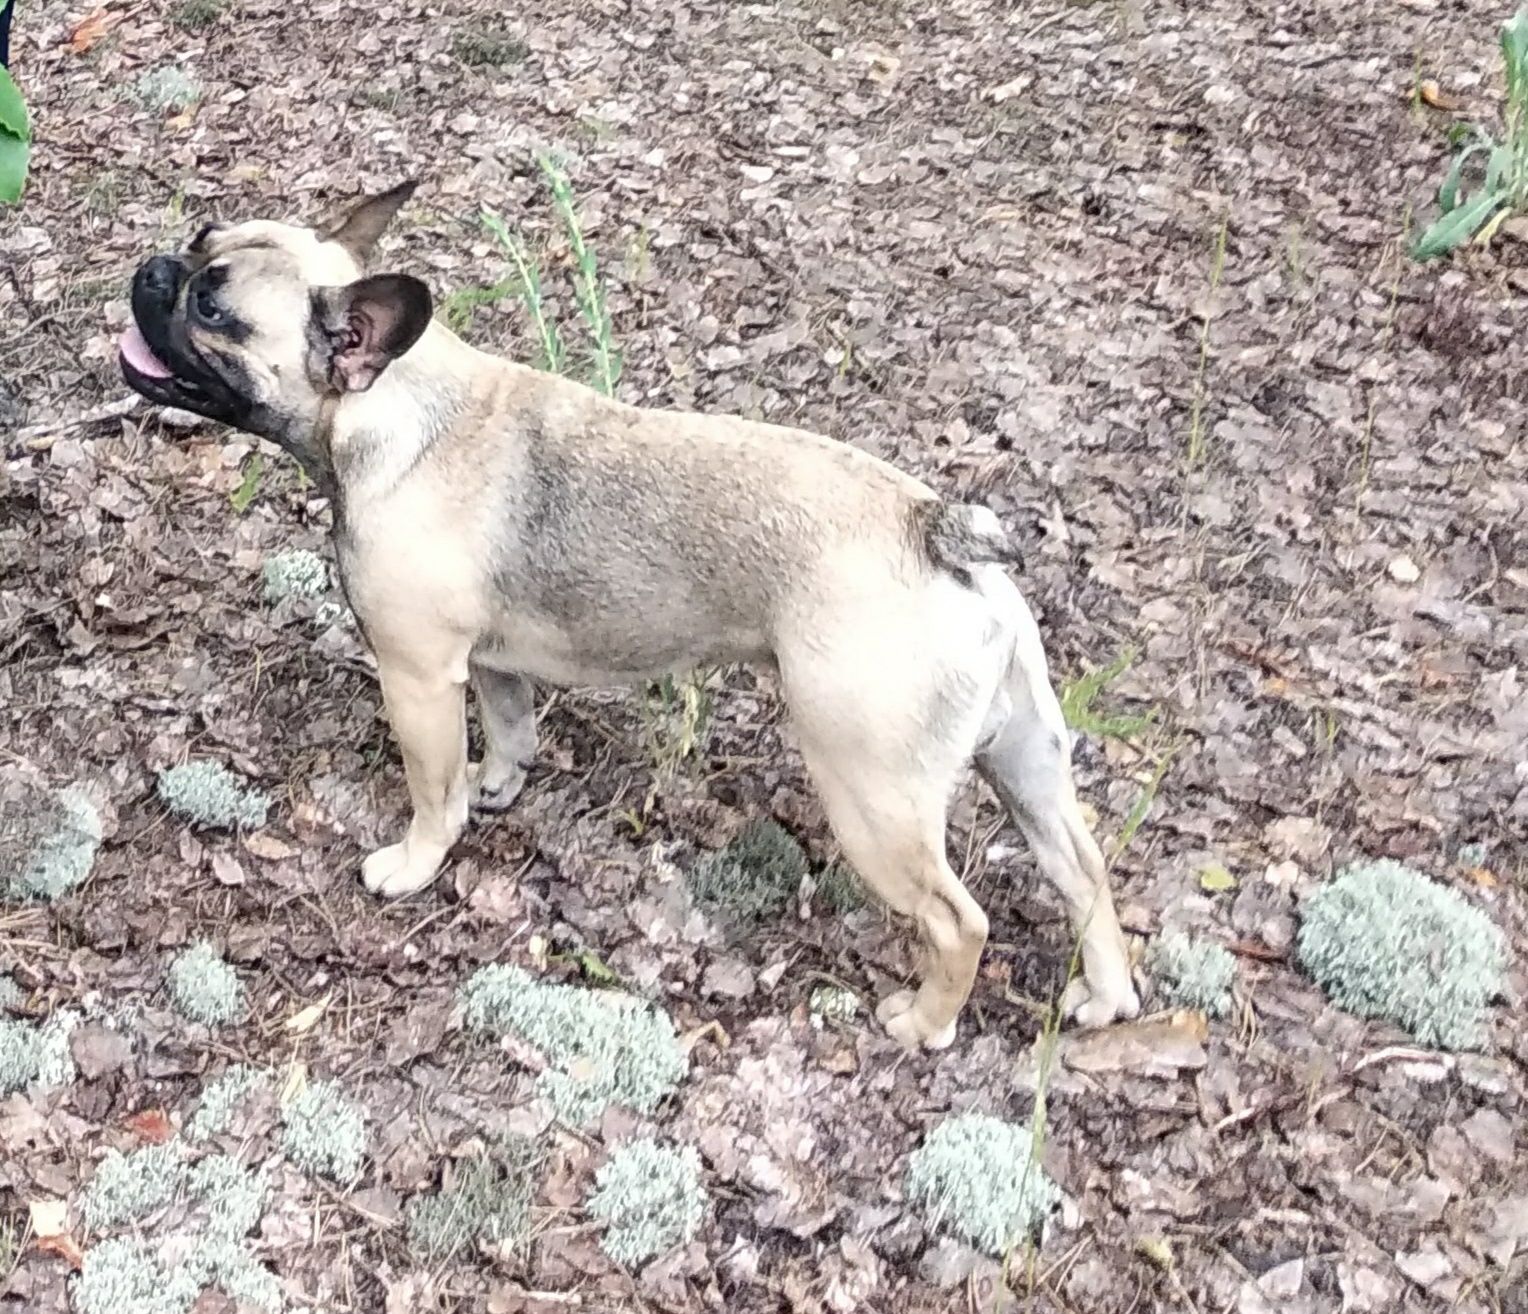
column 1503, row 189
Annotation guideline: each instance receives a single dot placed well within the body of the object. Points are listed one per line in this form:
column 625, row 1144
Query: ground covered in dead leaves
column 977, row 239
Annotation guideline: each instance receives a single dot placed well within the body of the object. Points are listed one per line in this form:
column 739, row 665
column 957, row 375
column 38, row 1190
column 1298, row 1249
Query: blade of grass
column 528, row 276
column 588, row 292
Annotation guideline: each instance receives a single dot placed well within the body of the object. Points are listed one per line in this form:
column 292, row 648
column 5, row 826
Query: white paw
column 390, row 872
column 494, row 790
column 899, row 1014
column 1090, row 1011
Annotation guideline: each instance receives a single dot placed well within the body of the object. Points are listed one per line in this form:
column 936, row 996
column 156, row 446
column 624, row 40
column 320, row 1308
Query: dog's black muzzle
column 157, row 359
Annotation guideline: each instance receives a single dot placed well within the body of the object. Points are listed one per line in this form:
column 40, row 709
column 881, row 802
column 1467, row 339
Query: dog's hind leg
column 886, row 746
column 891, row 826
column 1027, row 760
column 507, row 709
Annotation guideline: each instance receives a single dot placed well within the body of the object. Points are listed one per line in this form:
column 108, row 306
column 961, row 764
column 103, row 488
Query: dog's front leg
column 428, row 713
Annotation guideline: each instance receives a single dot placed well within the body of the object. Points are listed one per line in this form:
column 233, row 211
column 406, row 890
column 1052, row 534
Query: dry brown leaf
column 1154, row 1047
column 1434, row 95
column 296, row 1082
column 65, row 1247
column 90, row 29
column 304, row 1020
column 265, row 845
column 152, row 1125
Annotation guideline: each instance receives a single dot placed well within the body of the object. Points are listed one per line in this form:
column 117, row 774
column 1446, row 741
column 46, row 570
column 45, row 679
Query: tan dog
column 495, row 525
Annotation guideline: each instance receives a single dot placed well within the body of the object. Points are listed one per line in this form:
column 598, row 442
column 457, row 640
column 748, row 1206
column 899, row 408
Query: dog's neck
column 376, row 437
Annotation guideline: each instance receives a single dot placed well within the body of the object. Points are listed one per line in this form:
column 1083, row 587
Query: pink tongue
column 135, row 351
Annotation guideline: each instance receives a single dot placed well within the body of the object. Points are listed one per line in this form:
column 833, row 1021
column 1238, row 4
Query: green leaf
column 1448, row 194
column 1455, row 228
column 13, row 110
column 1514, row 54
column 1216, row 879
column 244, row 494
column 594, row 969
column 13, row 167
column 1496, row 168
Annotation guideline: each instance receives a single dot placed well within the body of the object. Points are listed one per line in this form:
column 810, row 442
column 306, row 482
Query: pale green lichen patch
column 488, row 1199
column 204, row 987
column 1193, row 973
column 221, row 1099
column 123, row 1275
column 295, row 573
column 324, row 1133
column 36, row 1055
column 48, row 842
column 208, row 794
column 650, row 1198
column 1385, row 941
column 602, row 1047
column 128, row 1186
column 980, row 1179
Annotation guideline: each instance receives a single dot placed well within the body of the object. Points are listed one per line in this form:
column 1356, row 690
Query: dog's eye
column 207, row 308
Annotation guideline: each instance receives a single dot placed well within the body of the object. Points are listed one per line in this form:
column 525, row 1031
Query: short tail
column 955, row 536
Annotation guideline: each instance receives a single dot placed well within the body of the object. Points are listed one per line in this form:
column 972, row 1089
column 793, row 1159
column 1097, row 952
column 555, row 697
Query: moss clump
column 487, row 47
column 489, row 1200
column 839, row 889
column 1384, row 941
column 127, row 1186
column 32, row 1055
column 204, row 987
column 296, row 573
column 754, row 877
column 1193, row 973
column 651, row 1198
column 49, row 842
column 209, row 794
column 603, row 1047
column 220, row 1098
column 12, row 996
column 981, row 1179
column 194, row 14
column 124, row 1276
column 324, row 1133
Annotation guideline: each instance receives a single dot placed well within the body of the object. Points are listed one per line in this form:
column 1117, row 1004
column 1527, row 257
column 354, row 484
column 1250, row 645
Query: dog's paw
column 899, row 1014
column 496, row 789
column 390, row 873
column 1090, row 1011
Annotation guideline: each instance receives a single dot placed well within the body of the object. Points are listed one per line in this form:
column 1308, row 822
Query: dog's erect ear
column 358, row 229
column 368, row 324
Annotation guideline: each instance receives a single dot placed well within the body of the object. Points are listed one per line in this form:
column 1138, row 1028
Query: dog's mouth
column 157, row 358
column 139, row 357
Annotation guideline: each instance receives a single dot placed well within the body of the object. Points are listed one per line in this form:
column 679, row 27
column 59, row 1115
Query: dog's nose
column 159, row 278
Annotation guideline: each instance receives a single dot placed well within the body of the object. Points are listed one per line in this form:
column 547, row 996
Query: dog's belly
column 604, row 651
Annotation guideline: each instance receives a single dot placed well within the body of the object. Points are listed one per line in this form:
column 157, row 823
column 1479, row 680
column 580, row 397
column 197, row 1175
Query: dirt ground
column 979, row 240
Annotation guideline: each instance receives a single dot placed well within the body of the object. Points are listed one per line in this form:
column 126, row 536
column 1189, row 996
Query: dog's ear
column 367, row 325
column 358, row 229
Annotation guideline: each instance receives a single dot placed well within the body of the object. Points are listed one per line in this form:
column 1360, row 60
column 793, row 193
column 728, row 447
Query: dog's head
column 257, row 323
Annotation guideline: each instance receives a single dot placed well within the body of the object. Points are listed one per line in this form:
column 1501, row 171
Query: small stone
column 1403, row 570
